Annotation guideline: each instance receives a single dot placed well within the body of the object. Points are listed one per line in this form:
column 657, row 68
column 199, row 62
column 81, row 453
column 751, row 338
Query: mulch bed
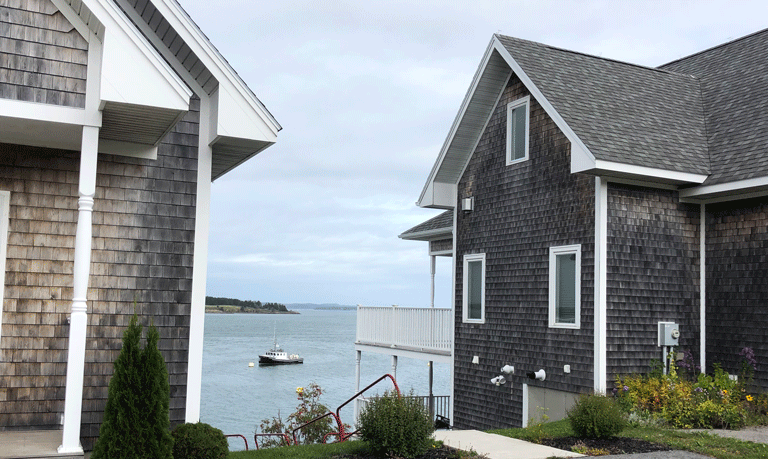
column 615, row 445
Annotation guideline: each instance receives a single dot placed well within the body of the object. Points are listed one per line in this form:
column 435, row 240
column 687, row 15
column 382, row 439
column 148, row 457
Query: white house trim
column 199, row 264
column 703, row 288
column 576, row 143
column 5, row 200
column 631, row 171
column 725, row 191
column 601, row 279
column 553, row 253
column 523, row 101
column 135, row 150
column 17, row 109
column 78, row 324
column 428, row 235
column 422, row 202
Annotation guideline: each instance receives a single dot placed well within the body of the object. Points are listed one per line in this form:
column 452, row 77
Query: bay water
column 236, row 397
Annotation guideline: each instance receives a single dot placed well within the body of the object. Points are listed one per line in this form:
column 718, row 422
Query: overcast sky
column 366, row 93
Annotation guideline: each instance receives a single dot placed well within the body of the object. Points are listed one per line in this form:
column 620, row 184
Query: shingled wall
column 42, row 57
column 737, row 287
column 520, row 212
column 653, row 275
column 142, row 255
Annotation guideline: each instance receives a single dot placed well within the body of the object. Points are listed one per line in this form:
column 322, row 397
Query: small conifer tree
column 136, row 419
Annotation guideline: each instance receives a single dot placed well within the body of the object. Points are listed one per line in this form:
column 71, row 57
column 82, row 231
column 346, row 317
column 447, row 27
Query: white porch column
column 358, row 356
column 432, row 281
column 200, row 264
column 73, row 398
column 394, row 367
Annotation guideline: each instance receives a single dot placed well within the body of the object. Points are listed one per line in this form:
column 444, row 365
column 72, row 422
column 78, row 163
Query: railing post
column 393, row 326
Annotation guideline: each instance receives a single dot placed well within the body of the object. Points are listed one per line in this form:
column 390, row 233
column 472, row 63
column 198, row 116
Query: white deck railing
column 417, row 329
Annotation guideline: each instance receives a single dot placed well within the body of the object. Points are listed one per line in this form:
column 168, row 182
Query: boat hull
column 266, row 360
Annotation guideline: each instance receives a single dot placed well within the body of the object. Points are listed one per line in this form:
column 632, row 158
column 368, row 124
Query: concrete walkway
column 498, row 446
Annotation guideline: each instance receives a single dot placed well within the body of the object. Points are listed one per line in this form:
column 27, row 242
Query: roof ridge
column 715, row 47
column 644, row 67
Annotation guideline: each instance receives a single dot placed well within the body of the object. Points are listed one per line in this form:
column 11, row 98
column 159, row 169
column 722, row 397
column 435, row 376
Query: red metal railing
column 244, row 439
column 284, row 436
column 343, row 437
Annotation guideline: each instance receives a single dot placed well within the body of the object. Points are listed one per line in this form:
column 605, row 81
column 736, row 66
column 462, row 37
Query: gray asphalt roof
column 734, row 85
column 622, row 112
column 442, row 222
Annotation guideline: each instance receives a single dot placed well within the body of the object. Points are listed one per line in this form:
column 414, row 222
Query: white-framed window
column 5, row 206
column 565, row 286
column 474, row 288
column 518, row 116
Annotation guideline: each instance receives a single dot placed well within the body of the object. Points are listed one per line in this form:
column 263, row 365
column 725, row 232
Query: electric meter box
column 669, row 333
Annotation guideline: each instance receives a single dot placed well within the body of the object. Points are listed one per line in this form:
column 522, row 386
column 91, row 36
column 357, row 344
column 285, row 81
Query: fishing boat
column 277, row 356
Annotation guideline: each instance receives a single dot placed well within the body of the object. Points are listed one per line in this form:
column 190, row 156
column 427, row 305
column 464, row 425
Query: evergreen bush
column 199, row 441
column 398, row 426
column 596, row 416
column 136, row 417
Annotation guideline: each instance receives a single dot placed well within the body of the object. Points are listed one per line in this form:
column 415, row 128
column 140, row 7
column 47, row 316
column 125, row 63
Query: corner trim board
column 601, row 275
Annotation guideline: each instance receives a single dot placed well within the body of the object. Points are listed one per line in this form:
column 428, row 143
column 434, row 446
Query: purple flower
column 698, row 389
column 626, row 388
column 749, row 355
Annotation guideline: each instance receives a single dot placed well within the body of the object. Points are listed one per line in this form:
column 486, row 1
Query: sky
column 366, row 92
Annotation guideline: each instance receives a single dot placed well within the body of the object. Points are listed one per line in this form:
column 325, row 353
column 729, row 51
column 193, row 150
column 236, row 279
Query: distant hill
column 321, row 306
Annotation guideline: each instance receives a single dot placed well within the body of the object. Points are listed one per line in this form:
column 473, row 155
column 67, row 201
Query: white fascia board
column 425, row 200
column 134, row 150
column 41, row 125
column 23, row 110
column 214, row 61
column 132, row 71
column 235, row 118
column 630, row 170
column 726, row 191
column 576, row 144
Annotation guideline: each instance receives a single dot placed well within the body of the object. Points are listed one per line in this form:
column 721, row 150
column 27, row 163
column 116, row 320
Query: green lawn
column 697, row 442
column 301, row 452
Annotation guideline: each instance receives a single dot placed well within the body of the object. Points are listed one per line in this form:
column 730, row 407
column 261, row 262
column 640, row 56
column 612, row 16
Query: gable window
column 474, row 288
column 518, row 114
column 565, row 286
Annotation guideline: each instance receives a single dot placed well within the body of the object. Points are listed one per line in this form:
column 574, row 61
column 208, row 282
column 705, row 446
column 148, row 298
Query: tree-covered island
column 230, row 305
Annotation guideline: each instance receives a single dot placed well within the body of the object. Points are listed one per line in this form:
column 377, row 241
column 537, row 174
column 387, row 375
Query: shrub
column 199, row 441
column 596, row 416
column 308, row 409
column 136, row 418
column 393, row 425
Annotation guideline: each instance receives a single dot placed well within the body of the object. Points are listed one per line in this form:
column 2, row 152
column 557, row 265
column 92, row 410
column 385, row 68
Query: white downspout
column 200, row 263
column 78, row 325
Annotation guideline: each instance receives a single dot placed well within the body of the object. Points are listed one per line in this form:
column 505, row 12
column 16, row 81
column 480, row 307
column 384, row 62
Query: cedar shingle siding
column 653, row 275
column 142, row 254
column 42, row 57
column 520, row 212
column 737, row 287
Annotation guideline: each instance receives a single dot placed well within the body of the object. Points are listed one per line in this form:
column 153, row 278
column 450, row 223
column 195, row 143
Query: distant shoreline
column 242, row 310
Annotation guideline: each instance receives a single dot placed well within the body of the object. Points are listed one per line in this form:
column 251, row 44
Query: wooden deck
column 32, row 444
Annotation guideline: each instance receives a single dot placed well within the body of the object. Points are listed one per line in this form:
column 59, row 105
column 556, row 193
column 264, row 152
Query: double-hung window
column 518, row 114
column 474, row 288
column 565, row 286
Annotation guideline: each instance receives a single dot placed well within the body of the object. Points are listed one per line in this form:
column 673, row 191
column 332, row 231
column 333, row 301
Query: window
column 565, row 286
column 5, row 199
column 474, row 288
column 518, row 113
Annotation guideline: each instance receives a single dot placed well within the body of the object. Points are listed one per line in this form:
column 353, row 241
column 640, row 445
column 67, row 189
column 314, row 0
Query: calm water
column 235, row 398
